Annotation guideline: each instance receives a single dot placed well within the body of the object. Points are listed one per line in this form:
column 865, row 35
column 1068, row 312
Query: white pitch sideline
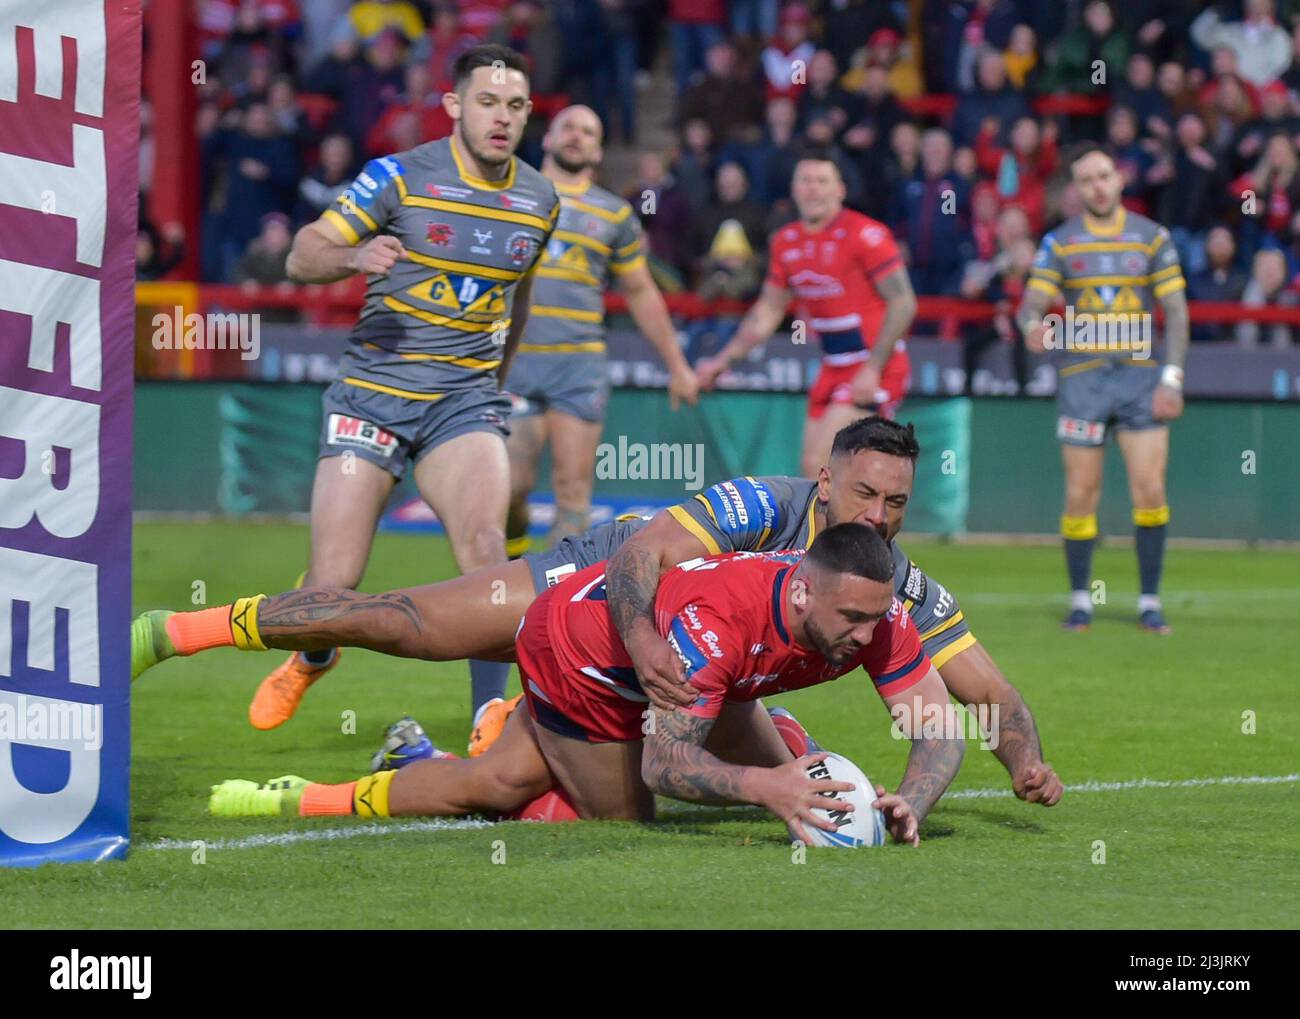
column 466, row 823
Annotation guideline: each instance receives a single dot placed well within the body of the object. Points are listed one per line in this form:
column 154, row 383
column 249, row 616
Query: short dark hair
column 1078, row 150
column 855, row 549
column 879, row 435
column 486, row 55
column 817, row 154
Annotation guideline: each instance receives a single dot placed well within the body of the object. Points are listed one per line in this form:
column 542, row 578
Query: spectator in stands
column 365, row 87
column 615, row 76
column 964, row 31
column 1220, row 280
column 1268, row 194
column 1158, row 27
column 1138, row 92
column 665, row 217
column 1171, row 83
column 1020, row 59
column 527, row 28
column 726, row 252
column 694, row 166
column 1292, row 76
column 1275, row 117
column 479, row 17
column 994, row 100
column 885, row 48
column 1002, row 284
column 370, row 18
column 1267, row 288
column 418, row 113
column 932, row 217
column 696, row 28
column 442, row 45
column 772, row 158
column 1099, row 37
column 1262, row 46
column 263, row 263
column 282, row 101
column 755, row 18
column 1191, row 201
column 867, row 140
column 1133, row 160
column 1023, row 167
column 320, row 27
column 825, row 99
column 252, row 40
column 732, row 107
column 786, row 58
column 983, row 222
column 321, row 188
column 261, row 172
column 846, row 23
column 158, row 253
column 1228, row 110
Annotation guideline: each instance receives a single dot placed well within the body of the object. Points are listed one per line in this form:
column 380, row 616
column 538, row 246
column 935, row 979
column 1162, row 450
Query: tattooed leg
column 474, row 616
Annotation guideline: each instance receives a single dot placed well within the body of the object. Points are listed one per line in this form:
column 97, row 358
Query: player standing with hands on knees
column 1112, row 266
column 447, row 234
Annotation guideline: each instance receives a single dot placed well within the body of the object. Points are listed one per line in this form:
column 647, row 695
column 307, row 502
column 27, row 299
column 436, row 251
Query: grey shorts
column 579, row 551
column 1094, row 399
column 393, row 431
column 574, row 384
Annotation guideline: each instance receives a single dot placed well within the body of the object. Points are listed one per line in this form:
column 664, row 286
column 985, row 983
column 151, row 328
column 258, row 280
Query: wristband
column 1172, row 376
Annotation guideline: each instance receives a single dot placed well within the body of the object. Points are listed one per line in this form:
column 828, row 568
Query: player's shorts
column 393, row 431
column 1093, row 398
column 834, row 385
column 565, row 702
column 573, row 384
column 579, row 551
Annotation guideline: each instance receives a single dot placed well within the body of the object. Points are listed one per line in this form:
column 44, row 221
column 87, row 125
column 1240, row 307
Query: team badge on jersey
column 520, row 246
column 439, row 234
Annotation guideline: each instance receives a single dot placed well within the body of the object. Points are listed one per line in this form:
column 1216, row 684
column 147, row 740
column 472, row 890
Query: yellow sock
column 370, row 799
column 243, row 623
column 1079, row 528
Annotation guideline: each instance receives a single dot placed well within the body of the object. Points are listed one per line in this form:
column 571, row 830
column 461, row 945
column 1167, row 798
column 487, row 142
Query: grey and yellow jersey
column 597, row 234
column 438, row 321
column 1107, row 274
column 768, row 514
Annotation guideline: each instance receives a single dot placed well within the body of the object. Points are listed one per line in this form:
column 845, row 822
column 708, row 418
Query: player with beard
column 1112, row 266
column 747, row 626
column 868, row 479
column 447, row 235
column 558, row 377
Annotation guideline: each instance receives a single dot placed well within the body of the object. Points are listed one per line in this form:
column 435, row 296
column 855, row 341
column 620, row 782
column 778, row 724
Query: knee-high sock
column 1080, row 534
column 1149, row 530
column 487, row 680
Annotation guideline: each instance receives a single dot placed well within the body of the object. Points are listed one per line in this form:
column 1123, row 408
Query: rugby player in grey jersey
column 868, row 480
column 447, row 234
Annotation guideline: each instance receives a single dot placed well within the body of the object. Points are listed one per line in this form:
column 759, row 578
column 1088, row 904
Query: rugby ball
column 862, row 826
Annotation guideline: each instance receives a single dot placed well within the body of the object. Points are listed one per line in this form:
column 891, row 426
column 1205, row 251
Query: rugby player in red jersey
column 846, row 273
column 746, row 625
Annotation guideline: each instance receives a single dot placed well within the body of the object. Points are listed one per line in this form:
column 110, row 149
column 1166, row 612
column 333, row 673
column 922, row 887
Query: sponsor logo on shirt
column 915, row 586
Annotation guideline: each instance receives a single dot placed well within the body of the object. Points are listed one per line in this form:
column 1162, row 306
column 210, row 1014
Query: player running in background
column 1112, row 266
column 849, row 279
column 558, row 377
column 868, row 479
column 747, row 626
column 446, row 234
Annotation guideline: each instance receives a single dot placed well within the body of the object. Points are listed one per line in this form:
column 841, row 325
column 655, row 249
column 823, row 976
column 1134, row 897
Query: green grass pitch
column 1114, row 706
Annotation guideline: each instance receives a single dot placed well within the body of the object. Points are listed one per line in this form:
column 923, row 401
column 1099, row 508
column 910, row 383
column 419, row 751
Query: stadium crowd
column 944, row 116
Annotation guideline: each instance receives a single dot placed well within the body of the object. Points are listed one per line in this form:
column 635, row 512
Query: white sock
column 1148, row 603
column 1081, row 600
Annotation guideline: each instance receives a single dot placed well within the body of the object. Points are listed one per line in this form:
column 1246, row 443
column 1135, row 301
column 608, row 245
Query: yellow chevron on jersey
column 436, row 290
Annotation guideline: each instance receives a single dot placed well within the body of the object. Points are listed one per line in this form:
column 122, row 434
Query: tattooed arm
column 974, row 679
column 932, row 763
column 900, row 308
column 632, row 579
column 674, row 763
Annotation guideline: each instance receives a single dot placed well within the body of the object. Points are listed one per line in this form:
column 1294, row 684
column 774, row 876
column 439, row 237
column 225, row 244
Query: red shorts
column 834, row 384
column 565, row 701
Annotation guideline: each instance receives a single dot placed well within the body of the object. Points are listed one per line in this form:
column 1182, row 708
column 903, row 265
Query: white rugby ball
column 862, row 826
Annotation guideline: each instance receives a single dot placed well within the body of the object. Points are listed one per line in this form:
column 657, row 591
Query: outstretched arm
column 933, row 762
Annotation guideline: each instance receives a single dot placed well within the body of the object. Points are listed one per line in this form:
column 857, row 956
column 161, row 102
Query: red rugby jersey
column 831, row 272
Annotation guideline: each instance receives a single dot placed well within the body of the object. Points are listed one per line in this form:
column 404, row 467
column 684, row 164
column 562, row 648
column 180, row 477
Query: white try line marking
column 467, row 823
column 1169, row 597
